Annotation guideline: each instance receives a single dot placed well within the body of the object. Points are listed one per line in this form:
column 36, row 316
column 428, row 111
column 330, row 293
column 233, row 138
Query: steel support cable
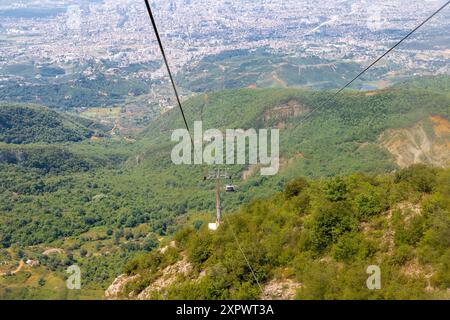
column 163, row 53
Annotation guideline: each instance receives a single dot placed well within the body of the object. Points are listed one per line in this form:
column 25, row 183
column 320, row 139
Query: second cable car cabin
column 229, row 188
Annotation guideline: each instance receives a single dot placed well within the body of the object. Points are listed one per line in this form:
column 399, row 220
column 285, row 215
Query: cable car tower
column 217, row 175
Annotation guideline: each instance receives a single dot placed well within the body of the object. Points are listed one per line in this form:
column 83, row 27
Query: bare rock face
column 115, row 289
column 426, row 142
column 169, row 276
column 280, row 289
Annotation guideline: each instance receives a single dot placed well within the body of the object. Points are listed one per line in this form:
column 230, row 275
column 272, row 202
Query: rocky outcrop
column 280, row 289
column 115, row 290
column 426, row 142
column 281, row 113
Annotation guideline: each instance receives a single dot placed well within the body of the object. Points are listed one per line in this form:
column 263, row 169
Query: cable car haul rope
column 217, row 174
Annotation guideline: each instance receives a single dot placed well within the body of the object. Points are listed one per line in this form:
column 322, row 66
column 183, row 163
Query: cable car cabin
column 229, row 188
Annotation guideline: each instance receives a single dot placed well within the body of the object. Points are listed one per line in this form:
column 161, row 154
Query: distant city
column 91, row 36
column 191, row 29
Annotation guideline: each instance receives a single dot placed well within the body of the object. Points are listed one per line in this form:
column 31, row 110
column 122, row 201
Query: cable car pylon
column 217, row 175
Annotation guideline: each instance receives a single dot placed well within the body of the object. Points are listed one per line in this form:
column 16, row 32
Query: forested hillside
column 314, row 240
column 342, row 135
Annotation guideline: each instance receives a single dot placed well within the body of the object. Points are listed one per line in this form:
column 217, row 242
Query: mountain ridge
column 314, row 240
